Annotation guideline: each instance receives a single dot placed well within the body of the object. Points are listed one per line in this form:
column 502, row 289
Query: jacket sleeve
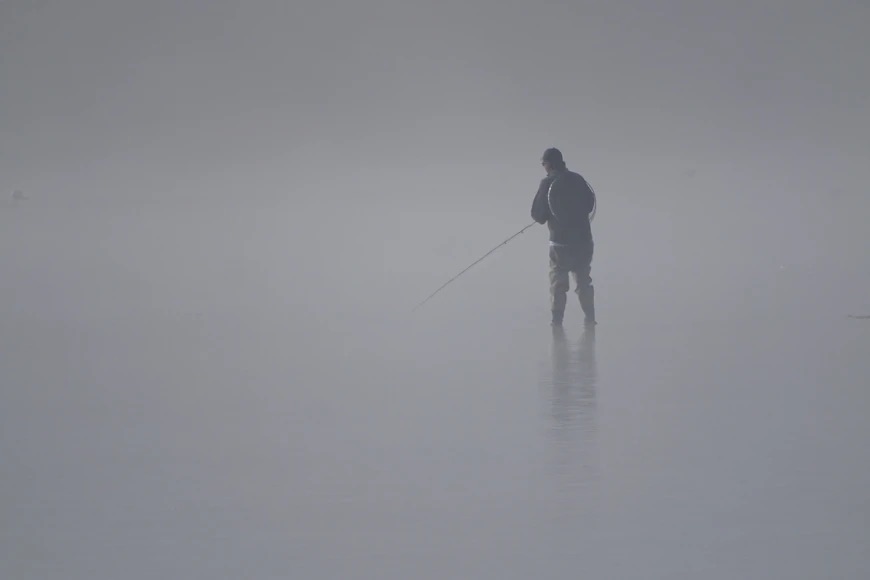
column 540, row 207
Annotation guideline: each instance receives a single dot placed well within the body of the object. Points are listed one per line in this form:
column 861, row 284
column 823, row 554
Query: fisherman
column 564, row 202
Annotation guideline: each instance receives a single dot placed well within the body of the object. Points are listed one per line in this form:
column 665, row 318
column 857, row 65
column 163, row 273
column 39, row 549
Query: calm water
column 212, row 418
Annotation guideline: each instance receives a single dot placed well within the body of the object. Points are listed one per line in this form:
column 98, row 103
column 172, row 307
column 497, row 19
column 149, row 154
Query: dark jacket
column 577, row 199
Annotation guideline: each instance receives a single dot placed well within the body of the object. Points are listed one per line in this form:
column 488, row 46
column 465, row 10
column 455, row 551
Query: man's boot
column 587, row 303
column 557, row 317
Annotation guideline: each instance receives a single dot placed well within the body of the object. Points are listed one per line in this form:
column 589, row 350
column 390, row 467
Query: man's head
column 552, row 160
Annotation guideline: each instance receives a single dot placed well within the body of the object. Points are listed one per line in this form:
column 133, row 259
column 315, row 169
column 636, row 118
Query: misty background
column 209, row 366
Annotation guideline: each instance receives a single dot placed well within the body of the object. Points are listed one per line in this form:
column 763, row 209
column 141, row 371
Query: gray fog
column 217, row 218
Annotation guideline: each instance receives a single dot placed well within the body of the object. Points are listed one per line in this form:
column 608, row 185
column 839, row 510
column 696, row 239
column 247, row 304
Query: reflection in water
column 571, row 392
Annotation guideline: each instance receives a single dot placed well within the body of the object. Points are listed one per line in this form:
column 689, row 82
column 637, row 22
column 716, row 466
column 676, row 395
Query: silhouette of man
column 564, row 202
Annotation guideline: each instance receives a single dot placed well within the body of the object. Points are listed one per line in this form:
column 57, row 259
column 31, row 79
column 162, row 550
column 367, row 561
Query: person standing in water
column 566, row 202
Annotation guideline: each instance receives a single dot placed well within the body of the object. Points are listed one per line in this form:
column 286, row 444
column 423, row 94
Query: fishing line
column 473, row 264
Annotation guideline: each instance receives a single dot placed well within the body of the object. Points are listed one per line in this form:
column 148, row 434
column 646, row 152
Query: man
column 564, row 202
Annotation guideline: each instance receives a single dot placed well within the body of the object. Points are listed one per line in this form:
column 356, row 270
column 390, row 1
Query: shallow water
column 153, row 428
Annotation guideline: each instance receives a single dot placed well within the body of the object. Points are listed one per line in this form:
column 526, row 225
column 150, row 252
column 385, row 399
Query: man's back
column 564, row 201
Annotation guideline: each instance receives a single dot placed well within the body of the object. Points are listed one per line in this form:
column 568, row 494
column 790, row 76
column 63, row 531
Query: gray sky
column 155, row 96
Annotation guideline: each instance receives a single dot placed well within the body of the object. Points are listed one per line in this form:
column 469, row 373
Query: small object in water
column 860, row 316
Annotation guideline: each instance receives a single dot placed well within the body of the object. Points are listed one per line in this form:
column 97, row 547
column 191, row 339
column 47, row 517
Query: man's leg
column 558, row 286
column 583, row 280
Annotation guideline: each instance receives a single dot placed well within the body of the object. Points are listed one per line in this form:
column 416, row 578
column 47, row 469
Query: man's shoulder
column 564, row 176
column 551, row 178
column 545, row 183
column 578, row 180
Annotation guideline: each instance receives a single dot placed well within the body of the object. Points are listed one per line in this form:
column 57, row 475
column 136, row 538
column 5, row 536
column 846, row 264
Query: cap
column 552, row 155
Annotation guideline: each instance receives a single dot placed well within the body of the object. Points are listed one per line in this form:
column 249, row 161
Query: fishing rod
column 472, row 265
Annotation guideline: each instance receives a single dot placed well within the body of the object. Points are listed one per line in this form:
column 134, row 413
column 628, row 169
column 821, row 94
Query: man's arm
column 540, row 206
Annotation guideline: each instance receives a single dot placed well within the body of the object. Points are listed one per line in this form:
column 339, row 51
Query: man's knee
column 558, row 282
column 560, row 287
column 582, row 279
